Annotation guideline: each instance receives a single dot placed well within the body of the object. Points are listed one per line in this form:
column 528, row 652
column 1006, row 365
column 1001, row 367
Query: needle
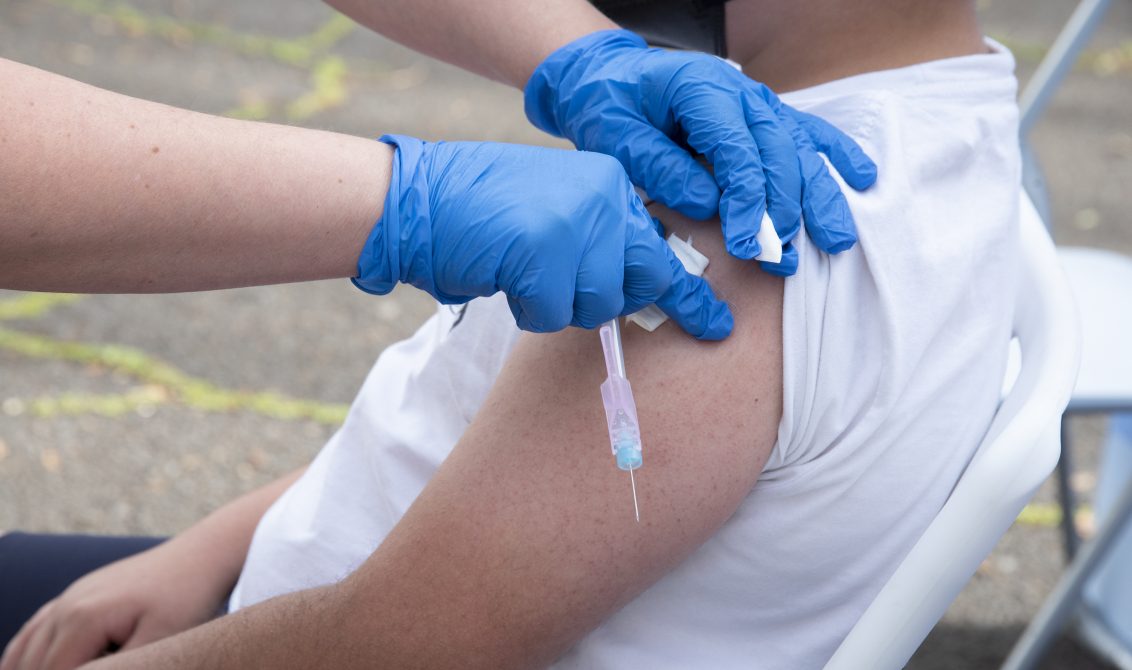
column 636, row 510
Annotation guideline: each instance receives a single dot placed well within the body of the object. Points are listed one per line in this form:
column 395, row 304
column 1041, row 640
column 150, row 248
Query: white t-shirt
column 893, row 358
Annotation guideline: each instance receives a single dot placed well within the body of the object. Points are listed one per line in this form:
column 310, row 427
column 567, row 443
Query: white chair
column 1018, row 453
column 1100, row 281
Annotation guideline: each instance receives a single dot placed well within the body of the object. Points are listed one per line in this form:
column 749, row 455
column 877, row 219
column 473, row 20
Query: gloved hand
column 608, row 92
column 562, row 233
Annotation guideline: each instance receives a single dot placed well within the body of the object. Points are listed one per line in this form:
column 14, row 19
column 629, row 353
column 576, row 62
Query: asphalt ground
column 140, row 414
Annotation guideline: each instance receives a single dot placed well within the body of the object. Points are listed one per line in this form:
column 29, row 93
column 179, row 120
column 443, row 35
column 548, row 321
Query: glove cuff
column 380, row 261
column 562, row 70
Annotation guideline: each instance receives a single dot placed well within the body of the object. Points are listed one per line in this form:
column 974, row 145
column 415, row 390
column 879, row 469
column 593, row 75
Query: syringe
column 620, row 410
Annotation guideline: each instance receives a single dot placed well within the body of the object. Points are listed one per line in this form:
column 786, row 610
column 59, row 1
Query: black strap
column 696, row 25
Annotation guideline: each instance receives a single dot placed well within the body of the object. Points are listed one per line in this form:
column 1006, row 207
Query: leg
column 36, row 568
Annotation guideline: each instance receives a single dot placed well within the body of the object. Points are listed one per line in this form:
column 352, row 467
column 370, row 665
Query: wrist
column 381, row 263
column 211, row 564
column 564, row 69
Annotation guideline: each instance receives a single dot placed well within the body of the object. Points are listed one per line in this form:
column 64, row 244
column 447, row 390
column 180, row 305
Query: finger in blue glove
column 562, row 233
column 691, row 303
column 608, row 91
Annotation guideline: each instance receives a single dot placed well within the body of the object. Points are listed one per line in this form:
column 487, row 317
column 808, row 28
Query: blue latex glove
column 562, row 233
column 609, row 92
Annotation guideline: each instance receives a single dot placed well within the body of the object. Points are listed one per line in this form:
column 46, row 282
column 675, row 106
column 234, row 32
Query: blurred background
column 140, row 414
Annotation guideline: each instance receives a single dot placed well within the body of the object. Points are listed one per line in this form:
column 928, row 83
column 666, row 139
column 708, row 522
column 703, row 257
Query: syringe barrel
column 610, row 334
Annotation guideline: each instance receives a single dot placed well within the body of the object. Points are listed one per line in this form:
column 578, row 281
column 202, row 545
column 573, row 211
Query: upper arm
column 525, row 539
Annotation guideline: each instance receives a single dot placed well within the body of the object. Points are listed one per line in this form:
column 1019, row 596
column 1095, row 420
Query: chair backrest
column 1019, row 451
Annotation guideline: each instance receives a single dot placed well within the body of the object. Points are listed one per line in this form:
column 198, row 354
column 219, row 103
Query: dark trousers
column 36, row 568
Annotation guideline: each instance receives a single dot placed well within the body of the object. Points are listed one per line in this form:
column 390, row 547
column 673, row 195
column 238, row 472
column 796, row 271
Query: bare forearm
column 298, row 630
column 501, row 39
column 101, row 192
column 222, row 538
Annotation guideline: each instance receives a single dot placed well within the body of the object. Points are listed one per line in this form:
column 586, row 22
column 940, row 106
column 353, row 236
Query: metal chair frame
column 1065, row 600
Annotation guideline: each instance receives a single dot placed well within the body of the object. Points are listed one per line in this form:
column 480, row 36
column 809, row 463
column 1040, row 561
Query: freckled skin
column 524, row 540
column 533, row 541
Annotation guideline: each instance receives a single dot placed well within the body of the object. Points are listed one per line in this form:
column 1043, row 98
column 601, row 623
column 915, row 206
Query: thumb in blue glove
column 562, row 233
